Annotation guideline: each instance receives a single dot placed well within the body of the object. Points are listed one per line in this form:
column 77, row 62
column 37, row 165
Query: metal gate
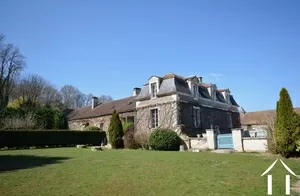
column 224, row 141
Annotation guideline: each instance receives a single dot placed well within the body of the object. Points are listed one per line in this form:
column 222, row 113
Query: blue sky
column 109, row 47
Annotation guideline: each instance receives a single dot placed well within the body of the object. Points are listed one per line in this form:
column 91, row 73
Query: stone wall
column 80, row 124
column 198, row 143
column 255, row 144
column 167, row 116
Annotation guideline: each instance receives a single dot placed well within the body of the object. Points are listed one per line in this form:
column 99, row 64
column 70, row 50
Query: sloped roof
column 260, row 117
column 107, row 108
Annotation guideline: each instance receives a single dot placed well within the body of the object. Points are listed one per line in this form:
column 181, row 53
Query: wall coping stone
column 254, row 138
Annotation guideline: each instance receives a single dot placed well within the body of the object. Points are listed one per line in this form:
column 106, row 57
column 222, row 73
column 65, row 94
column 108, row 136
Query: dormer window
column 153, row 89
column 194, row 90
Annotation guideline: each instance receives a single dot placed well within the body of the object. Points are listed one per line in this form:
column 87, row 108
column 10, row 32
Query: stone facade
column 101, row 121
column 167, row 113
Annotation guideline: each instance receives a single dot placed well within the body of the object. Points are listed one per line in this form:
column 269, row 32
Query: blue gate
column 224, row 141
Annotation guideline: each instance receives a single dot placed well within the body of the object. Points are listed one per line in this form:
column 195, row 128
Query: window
column 101, row 126
column 194, row 90
column 130, row 119
column 153, row 89
column 154, row 118
column 229, row 120
column 196, row 114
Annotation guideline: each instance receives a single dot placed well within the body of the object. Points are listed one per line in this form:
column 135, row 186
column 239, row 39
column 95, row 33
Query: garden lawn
column 72, row 171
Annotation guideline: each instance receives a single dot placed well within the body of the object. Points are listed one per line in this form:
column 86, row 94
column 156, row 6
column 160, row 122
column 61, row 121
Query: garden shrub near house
column 142, row 138
column 127, row 126
column 129, row 140
column 164, row 140
column 285, row 127
column 115, row 131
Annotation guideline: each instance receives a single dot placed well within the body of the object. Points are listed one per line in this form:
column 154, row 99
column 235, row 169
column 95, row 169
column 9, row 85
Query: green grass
column 71, row 171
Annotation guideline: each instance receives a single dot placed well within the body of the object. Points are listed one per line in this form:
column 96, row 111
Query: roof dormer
column 226, row 94
column 154, row 83
column 212, row 91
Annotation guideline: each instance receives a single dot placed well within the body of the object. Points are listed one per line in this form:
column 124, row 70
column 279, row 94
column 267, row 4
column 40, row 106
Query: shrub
column 43, row 118
column 129, row 140
column 142, row 139
column 115, row 131
column 164, row 139
column 126, row 126
column 91, row 128
column 17, row 123
column 285, row 126
column 50, row 138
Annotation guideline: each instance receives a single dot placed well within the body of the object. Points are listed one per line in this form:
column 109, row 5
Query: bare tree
column 270, row 127
column 51, row 97
column 11, row 64
column 72, row 97
column 104, row 98
column 32, row 88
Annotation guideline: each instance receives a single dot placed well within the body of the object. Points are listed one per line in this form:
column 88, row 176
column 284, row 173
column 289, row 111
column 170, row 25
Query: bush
column 42, row 118
column 142, row 139
column 164, row 139
column 126, row 126
column 91, row 128
column 129, row 141
column 115, row 131
column 285, row 125
column 17, row 123
column 50, row 138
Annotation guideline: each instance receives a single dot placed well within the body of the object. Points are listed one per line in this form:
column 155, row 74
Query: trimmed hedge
column 50, row 138
column 164, row 140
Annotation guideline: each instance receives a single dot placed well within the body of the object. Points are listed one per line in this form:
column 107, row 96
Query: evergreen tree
column 285, row 126
column 115, row 131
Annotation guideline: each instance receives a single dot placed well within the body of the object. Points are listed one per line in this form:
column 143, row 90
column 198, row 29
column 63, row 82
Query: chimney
column 94, row 102
column 200, row 79
column 136, row 91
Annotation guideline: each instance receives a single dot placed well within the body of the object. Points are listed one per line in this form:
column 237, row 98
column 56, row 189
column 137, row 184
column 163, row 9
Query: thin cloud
column 217, row 76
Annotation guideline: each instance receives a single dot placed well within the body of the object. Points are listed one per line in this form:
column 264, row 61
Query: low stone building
column 258, row 120
column 99, row 114
column 187, row 105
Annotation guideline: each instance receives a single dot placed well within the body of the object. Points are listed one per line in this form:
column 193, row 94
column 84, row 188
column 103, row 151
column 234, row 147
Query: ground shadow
column 16, row 162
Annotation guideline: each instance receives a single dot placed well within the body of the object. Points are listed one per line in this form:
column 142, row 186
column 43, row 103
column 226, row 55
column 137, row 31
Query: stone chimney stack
column 94, row 102
column 136, row 91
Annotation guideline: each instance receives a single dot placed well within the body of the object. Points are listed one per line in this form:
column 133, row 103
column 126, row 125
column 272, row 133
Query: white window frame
column 156, row 123
column 152, row 94
column 196, row 116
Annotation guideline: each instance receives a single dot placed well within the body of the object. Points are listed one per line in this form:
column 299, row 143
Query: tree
column 104, row 98
column 31, row 88
column 115, row 131
column 72, row 97
column 285, row 126
column 11, row 64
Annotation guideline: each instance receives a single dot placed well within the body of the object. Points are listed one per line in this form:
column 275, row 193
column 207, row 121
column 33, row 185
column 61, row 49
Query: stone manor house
column 185, row 104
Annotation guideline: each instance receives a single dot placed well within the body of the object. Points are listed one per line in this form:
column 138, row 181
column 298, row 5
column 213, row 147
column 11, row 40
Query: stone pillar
column 237, row 138
column 211, row 138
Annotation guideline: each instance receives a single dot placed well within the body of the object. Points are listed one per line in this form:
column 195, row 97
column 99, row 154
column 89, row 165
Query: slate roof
column 107, row 108
column 172, row 84
column 260, row 117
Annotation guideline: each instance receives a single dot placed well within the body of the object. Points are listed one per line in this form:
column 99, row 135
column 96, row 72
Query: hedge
column 50, row 138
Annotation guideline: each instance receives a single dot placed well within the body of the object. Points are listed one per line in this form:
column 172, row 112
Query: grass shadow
column 16, row 162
